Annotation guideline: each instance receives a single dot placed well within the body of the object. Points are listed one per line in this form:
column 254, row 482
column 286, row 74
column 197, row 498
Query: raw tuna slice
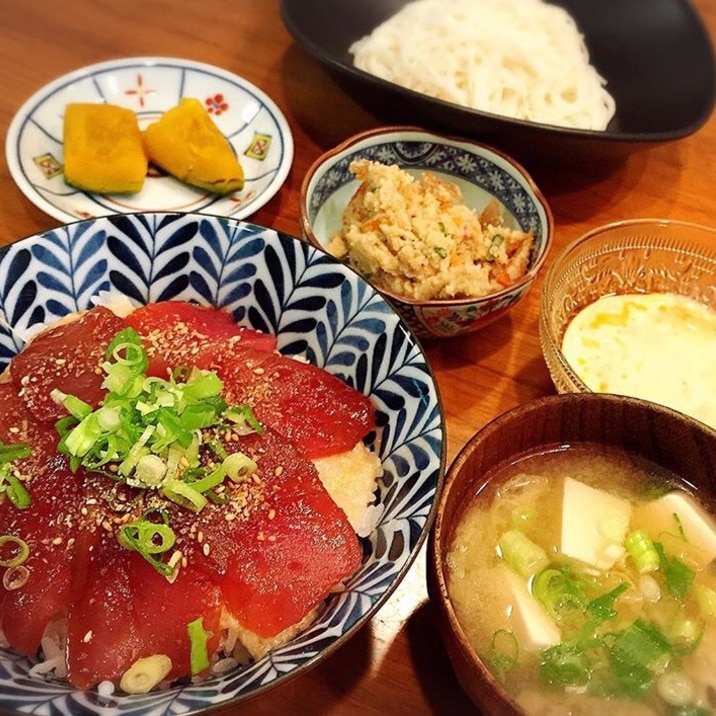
column 310, row 407
column 67, row 356
column 130, row 611
column 26, row 611
column 280, row 544
column 178, row 333
column 46, row 526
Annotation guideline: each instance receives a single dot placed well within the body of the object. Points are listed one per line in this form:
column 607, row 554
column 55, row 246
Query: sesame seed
column 271, row 514
column 206, row 549
column 87, row 638
column 278, row 471
column 57, row 540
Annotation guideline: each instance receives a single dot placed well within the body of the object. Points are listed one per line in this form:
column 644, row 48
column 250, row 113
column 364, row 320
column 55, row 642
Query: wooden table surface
column 396, row 663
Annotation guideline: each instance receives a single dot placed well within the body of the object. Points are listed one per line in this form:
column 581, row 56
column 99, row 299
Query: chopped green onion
column 202, row 415
column 641, row 644
column 151, row 540
column 10, row 484
column 137, row 451
column 81, row 439
column 14, row 489
column 142, row 416
column 602, row 608
column 23, row 551
column 215, row 498
column 150, row 470
column 642, row 551
column 440, row 251
column 521, row 553
column 559, row 592
column 239, row 466
column 184, row 495
column 9, row 452
column 210, row 479
column 198, row 639
column 244, row 419
column 150, row 430
column 565, row 664
column 504, row 653
column 201, row 386
column 126, row 349
column 678, row 576
column 75, row 406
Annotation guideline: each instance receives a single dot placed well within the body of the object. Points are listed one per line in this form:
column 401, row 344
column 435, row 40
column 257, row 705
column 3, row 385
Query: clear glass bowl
column 637, row 256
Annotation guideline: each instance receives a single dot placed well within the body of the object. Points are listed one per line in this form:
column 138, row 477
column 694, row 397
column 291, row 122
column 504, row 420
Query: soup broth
column 587, row 575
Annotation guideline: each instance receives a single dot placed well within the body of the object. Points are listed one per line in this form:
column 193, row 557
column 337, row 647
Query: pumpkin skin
column 103, row 150
column 187, row 144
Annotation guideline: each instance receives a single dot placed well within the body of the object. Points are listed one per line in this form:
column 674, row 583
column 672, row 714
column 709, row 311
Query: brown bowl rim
column 437, row 582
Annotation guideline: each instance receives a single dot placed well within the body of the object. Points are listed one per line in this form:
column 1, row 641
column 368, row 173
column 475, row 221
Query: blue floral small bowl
column 317, row 308
column 482, row 174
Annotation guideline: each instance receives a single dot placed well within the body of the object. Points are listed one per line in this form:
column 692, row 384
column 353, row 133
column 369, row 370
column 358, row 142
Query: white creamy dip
column 659, row 346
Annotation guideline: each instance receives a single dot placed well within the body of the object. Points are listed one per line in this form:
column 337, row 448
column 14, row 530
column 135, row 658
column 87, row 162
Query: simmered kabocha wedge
column 187, row 144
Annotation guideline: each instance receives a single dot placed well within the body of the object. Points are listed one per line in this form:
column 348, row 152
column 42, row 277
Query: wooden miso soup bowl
column 660, row 435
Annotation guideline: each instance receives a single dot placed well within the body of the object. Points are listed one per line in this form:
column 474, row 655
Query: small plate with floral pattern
column 251, row 121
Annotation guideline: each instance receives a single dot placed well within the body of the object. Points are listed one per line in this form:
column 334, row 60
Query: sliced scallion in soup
column 588, row 576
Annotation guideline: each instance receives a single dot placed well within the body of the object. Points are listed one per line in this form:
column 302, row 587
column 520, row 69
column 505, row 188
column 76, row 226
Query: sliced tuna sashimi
column 67, row 356
column 54, row 492
column 310, row 407
column 178, row 333
column 102, row 634
column 167, row 608
column 269, row 550
column 130, row 611
column 280, row 544
column 50, row 536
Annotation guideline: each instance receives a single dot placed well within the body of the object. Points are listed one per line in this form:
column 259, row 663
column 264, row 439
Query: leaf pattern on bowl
column 317, row 307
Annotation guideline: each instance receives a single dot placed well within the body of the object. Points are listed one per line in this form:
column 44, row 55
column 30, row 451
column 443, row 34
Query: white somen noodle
column 518, row 58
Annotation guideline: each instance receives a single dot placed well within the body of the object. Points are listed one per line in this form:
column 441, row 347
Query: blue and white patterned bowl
column 482, row 173
column 317, row 307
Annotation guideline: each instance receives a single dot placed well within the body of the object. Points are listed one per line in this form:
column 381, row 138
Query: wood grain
column 396, row 663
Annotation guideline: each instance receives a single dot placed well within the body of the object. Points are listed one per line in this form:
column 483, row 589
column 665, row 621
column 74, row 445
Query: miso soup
column 586, row 576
